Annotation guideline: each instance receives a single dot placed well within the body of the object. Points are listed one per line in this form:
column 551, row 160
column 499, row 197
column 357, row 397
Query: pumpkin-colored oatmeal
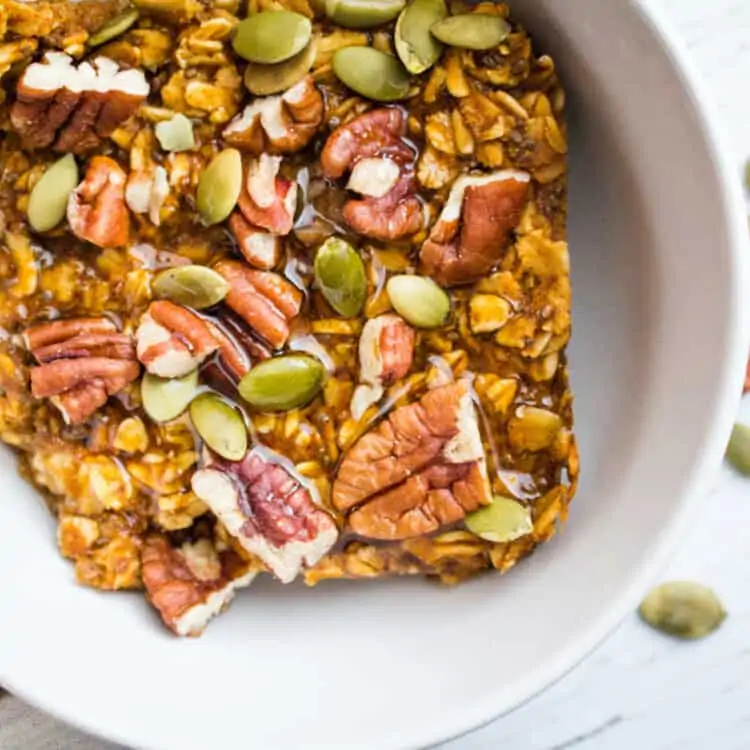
column 283, row 293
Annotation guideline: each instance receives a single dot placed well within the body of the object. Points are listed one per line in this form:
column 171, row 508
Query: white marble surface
column 639, row 690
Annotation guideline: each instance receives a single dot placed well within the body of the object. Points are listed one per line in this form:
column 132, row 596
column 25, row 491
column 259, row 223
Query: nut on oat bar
column 423, row 467
column 81, row 363
column 268, row 509
column 280, row 124
column 388, row 209
column 268, row 312
column 191, row 584
column 71, row 107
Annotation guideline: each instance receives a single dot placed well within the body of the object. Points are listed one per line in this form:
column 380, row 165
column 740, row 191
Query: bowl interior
column 404, row 663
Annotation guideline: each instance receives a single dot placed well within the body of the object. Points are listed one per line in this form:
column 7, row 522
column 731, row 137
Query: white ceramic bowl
column 657, row 241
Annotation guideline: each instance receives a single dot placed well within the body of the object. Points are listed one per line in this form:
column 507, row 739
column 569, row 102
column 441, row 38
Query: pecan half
column 72, row 108
column 110, row 345
column 83, row 362
column 386, row 351
column 172, row 341
column 422, row 468
column 268, row 509
column 96, row 208
column 267, row 200
column 474, row 227
column 62, row 375
column 371, row 145
column 280, row 124
column 434, row 497
column 396, row 215
column 266, row 301
column 80, row 402
column 57, row 331
column 234, row 358
column 259, row 248
column 191, row 584
column 267, row 206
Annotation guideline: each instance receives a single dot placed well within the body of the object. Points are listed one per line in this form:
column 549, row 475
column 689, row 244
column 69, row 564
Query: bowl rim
column 503, row 700
column 732, row 376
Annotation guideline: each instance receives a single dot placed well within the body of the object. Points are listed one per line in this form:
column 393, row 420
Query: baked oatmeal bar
column 284, row 290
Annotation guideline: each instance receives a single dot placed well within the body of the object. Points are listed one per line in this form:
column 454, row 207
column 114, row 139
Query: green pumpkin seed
column 219, row 186
column 193, row 286
column 683, row 609
column 372, row 74
column 419, row 300
column 340, row 274
column 738, row 450
column 49, row 198
column 113, row 28
column 220, row 426
column 502, row 521
column 164, row 399
column 264, row 80
column 283, row 383
column 176, row 134
column 477, row 31
column 363, row 14
column 272, row 36
column 415, row 45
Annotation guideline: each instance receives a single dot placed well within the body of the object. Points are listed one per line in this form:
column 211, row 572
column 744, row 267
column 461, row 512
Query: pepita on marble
column 683, row 609
column 738, row 450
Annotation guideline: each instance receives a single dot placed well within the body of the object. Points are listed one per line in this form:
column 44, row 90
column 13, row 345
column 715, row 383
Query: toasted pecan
column 191, row 584
column 389, row 215
column 266, row 301
column 172, row 341
column 268, row 509
column 83, row 361
column 473, row 230
column 416, row 471
column 280, row 124
column 96, row 209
